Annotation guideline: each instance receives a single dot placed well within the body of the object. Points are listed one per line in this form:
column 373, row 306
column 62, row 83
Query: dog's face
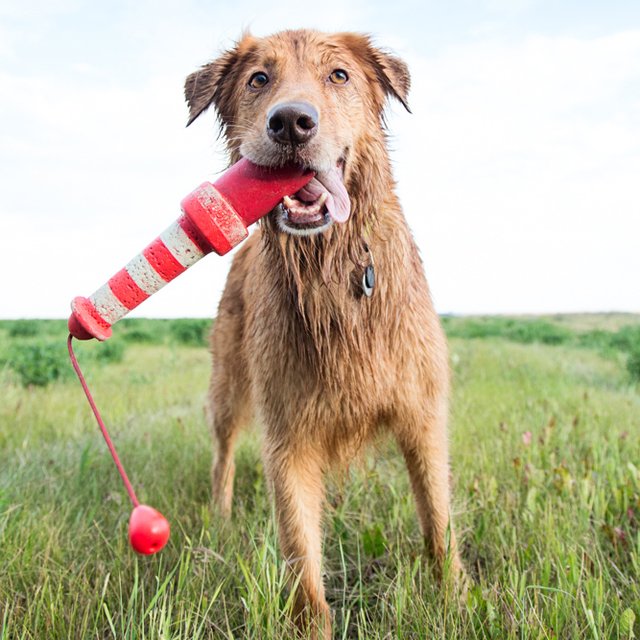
column 301, row 97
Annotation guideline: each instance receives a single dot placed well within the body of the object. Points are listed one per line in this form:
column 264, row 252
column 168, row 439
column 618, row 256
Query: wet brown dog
column 304, row 339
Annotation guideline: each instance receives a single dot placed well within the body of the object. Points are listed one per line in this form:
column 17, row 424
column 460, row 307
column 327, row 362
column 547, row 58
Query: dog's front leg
column 298, row 489
column 422, row 436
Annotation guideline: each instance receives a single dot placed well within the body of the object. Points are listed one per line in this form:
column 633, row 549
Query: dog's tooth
column 288, row 202
column 323, row 198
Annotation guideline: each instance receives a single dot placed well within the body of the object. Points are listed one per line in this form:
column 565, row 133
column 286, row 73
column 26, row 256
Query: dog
column 325, row 331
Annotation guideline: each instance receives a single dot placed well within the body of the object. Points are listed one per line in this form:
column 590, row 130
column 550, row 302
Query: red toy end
column 85, row 323
column 148, row 530
column 253, row 191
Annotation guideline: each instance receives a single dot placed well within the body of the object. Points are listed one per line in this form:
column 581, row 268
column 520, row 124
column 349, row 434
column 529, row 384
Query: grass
column 545, row 441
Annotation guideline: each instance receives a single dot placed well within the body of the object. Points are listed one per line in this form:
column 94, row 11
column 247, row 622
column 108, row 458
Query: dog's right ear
column 212, row 84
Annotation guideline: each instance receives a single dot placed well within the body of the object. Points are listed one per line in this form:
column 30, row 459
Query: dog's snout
column 292, row 122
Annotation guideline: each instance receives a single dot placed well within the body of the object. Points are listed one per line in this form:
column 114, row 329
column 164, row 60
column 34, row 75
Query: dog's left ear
column 391, row 73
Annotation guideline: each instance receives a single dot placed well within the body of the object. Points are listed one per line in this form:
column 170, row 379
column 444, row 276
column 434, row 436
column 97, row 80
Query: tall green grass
column 544, row 442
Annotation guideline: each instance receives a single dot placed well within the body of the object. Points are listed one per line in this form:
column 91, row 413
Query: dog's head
column 303, row 97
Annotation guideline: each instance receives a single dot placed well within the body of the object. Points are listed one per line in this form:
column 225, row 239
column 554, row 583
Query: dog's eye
column 339, row 76
column 258, row 80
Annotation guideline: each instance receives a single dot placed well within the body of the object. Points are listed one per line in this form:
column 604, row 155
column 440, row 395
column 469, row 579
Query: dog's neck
column 320, row 276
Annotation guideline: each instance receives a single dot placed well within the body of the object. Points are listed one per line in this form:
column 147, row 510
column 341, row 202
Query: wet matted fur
column 297, row 343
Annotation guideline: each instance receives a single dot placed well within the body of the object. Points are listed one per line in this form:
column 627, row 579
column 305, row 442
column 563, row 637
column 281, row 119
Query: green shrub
column 627, row 338
column 190, row 331
column 477, row 327
column 516, row 329
column 39, row 363
column 633, row 364
column 143, row 330
column 528, row 331
column 141, row 336
column 29, row 328
column 23, row 328
column 596, row 339
column 110, row 351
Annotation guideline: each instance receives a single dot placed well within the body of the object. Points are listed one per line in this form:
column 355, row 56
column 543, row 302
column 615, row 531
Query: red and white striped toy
column 215, row 218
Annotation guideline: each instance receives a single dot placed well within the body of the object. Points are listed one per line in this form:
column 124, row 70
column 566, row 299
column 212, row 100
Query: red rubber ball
column 148, row 530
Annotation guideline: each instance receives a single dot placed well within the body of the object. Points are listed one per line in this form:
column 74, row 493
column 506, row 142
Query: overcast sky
column 519, row 169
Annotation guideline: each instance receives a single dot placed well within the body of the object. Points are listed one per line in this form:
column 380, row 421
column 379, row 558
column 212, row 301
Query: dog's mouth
column 322, row 201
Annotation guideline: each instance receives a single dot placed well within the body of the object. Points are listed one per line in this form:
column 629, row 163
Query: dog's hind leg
column 422, row 437
column 298, row 489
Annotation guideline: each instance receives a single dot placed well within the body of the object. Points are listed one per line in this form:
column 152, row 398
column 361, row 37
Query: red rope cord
column 105, row 433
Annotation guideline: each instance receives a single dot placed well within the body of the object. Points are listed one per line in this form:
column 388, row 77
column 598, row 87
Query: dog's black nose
column 292, row 122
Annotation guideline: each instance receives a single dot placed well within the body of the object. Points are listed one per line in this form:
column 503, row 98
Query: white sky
column 519, row 169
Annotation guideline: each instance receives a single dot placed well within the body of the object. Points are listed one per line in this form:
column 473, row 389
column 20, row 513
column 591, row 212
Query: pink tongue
column 330, row 182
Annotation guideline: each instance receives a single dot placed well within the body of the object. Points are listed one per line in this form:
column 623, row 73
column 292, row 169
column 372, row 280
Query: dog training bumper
column 215, row 218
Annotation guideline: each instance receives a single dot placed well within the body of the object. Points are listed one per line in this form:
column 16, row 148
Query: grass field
column 545, row 442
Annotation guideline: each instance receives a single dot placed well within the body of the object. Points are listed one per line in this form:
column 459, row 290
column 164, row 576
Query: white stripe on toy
column 180, row 245
column 107, row 305
column 144, row 275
